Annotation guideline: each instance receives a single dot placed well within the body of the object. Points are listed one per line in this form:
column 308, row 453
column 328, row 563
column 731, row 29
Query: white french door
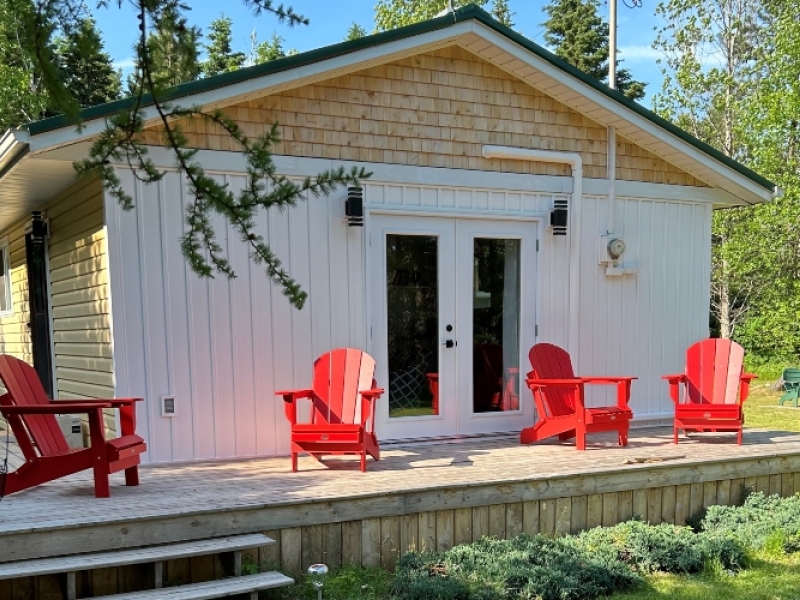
column 452, row 317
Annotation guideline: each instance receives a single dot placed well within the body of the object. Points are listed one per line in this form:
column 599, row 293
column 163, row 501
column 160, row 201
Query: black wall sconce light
column 354, row 207
column 559, row 217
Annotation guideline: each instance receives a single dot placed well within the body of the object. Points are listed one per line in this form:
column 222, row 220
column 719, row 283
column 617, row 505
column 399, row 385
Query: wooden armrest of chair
column 607, row 379
column 55, row 408
column 748, row 376
column 373, row 393
column 292, row 395
column 679, row 378
column 114, row 402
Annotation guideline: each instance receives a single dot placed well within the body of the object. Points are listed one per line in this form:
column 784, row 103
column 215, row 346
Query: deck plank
column 243, row 496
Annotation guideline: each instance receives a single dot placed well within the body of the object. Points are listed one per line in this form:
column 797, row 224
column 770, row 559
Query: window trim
column 6, row 268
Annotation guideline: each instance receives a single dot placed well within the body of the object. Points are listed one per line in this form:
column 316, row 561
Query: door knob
column 450, row 343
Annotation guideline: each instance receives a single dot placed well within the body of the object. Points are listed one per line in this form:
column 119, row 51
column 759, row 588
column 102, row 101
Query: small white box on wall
column 71, row 428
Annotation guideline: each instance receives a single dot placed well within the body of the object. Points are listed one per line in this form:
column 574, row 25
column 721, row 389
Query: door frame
column 375, row 271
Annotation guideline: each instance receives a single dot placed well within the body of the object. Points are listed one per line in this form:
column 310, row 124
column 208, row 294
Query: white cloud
column 125, row 64
column 639, row 53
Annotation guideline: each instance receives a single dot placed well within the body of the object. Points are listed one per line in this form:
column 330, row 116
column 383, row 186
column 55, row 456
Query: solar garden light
column 317, row 574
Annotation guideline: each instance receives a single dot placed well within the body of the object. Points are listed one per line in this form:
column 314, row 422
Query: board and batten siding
column 79, row 301
column 15, row 336
column 222, row 347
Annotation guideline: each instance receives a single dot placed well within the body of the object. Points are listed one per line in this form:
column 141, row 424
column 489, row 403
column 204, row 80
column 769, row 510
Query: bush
column 758, row 522
column 525, row 567
column 665, row 548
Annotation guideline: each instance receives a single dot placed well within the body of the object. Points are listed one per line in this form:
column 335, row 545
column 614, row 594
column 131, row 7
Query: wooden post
column 72, row 586
column 159, row 575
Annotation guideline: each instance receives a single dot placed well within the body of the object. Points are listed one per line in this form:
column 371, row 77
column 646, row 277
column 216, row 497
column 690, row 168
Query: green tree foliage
column 769, row 252
column 173, row 46
column 576, row 32
column 712, row 66
column 355, row 32
column 86, row 69
column 221, row 58
column 502, row 12
column 166, row 53
column 23, row 96
column 391, row 14
column 271, row 49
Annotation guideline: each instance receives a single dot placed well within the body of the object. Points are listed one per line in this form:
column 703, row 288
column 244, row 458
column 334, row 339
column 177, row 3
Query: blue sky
column 330, row 20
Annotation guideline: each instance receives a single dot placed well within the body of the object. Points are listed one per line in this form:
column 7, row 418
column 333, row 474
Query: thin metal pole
column 612, row 44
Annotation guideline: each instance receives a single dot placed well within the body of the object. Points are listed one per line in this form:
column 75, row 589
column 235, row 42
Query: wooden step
column 132, row 556
column 246, row 584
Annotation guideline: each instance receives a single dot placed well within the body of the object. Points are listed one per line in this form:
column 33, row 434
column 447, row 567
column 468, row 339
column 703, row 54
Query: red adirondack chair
column 559, row 398
column 715, row 387
column 30, row 413
column 338, row 426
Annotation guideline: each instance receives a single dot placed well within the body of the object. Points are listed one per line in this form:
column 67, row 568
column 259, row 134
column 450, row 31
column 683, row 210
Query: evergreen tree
column 174, row 46
column 577, row 34
column 86, row 69
column 221, row 57
column 268, row 50
column 167, row 53
column 391, row 14
column 502, row 12
column 355, row 32
column 23, row 96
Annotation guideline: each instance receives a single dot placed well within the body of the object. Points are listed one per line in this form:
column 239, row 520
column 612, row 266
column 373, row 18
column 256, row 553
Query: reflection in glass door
column 412, row 303
column 495, row 325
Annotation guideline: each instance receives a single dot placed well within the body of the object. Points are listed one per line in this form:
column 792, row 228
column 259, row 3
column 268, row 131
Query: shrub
column 666, row 548
column 525, row 567
column 758, row 522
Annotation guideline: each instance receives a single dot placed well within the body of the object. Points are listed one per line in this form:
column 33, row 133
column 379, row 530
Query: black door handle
column 450, row 343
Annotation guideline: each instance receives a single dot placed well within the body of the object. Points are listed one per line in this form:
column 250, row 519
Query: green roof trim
column 470, row 12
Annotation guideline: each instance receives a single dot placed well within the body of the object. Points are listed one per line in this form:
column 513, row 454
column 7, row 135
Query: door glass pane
column 413, row 323
column 495, row 325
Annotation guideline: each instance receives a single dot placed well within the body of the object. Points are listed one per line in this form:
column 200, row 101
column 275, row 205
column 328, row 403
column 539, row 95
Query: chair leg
column 739, row 437
column 132, row 476
column 675, row 435
column 623, row 436
column 363, row 461
column 294, row 462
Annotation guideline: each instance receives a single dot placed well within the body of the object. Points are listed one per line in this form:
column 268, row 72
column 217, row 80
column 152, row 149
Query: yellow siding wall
column 79, row 303
column 15, row 337
column 434, row 110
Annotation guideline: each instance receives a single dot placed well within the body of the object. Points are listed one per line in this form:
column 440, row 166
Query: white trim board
column 218, row 161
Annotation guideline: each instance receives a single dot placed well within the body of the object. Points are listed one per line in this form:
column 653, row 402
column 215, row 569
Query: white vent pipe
column 575, row 162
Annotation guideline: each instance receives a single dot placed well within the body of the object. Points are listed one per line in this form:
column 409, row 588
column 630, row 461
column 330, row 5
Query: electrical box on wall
column 610, row 253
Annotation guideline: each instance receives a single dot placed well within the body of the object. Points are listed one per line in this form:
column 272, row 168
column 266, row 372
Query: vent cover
column 169, row 407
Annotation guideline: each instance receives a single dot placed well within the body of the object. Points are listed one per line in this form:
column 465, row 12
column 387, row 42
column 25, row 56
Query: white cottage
column 513, row 199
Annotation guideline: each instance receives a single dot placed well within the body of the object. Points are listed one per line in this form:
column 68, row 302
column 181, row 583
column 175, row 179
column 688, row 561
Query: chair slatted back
column 548, row 361
column 713, row 370
column 339, row 376
column 24, row 389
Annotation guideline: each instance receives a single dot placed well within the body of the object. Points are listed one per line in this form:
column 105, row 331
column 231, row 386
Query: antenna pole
column 612, row 44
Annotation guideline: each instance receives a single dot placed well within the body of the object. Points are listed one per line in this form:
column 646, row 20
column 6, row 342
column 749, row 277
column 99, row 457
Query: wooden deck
column 200, row 500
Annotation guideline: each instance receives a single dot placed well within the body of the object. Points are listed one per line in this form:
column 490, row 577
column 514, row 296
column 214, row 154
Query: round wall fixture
column 616, row 248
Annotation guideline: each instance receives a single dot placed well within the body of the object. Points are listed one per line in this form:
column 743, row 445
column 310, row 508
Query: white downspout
column 575, row 162
column 612, row 177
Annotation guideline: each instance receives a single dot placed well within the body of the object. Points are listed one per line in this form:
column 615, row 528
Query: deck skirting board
column 630, row 485
column 375, row 531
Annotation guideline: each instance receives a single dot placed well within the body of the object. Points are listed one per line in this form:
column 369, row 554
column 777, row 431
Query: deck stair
column 157, row 555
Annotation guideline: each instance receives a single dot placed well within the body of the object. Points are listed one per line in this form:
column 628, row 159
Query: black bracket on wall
column 559, row 217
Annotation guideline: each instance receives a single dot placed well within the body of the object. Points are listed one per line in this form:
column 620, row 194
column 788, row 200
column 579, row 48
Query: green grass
column 767, row 578
column 761, row 410
column 344, row 584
